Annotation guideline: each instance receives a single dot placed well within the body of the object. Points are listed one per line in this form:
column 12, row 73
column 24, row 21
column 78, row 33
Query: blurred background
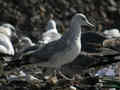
column 31, row 16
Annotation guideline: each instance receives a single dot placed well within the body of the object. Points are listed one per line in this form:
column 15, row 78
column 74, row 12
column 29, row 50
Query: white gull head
column 51, row 25
column 8, row 29
column 7, row 25
column 26, row 41
column 81, row 19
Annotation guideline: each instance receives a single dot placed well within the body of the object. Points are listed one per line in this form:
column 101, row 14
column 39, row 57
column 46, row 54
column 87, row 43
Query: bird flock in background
column 71, row 52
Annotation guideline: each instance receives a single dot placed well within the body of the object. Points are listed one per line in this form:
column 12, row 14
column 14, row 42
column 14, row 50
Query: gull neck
column 74, row 33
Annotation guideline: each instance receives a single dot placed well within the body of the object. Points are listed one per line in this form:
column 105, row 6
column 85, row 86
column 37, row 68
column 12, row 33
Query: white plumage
column 112, row 33
column 6, row 33
column 51, row 33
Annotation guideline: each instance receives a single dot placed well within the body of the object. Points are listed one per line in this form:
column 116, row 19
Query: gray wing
column 41, row 54
column 48, row 50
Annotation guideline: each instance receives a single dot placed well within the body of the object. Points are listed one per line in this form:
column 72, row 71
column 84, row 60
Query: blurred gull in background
column 51, row 33
column 112, row 33
column 25, row 42
column 7, row 31
column 26, row 45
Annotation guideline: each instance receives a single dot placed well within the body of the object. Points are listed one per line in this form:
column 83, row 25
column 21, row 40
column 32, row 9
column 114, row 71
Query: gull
column 112, row 33
column 26, row 46
column 7, row 31
column 59, row 52
column 7, row 25
column 51, row 33
column 24, row 42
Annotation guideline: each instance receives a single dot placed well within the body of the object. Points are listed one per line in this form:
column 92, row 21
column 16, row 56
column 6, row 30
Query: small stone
column 112, row 9
column 34, row 1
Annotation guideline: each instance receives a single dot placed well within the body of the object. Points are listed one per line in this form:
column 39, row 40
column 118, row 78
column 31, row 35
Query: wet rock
column 34, row 1
column 112, row 9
